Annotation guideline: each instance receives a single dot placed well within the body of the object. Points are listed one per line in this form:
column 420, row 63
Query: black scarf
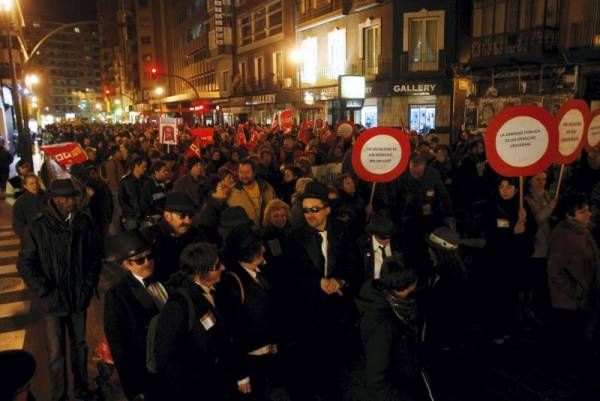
column 404, row 309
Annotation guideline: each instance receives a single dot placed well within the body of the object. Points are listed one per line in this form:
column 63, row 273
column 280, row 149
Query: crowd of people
column 245, row 273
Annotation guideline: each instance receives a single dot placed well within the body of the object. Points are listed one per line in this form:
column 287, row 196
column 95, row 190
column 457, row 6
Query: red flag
column 326, row 135
column 287, row 121
column 253, row 142
column 66, row 153
column 195, row 149
column 240, row 136
column 275, row 122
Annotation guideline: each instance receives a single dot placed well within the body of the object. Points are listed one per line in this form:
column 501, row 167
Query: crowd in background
column 270, row 277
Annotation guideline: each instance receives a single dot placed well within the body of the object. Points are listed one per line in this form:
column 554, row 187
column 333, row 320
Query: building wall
column 68, row 65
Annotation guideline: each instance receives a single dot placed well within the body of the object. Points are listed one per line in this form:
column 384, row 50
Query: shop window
column 336, row 46
column 424, row 39
column 368, row 116
column 309, row 64
column 422, row 117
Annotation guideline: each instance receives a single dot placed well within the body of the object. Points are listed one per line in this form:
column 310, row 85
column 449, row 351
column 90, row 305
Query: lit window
column 336, row 41
column 424, row 39
column 309, row 65
column 76, row 30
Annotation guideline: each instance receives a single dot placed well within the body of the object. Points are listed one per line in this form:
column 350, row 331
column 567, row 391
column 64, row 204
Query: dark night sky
column 60, row 10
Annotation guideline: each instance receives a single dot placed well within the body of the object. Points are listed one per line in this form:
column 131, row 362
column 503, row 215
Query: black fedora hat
column 63, row 187
column 234, row 217
column 127, row 244
column 179, row 202
column 316, row 190
column 17, row 368
column 380, row 225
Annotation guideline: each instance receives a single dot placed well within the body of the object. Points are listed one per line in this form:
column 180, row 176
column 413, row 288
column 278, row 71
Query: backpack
column 151, row 364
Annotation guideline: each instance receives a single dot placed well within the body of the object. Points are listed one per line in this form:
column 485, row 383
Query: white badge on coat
column 430, row 193
column 426, row 209
column 503, row 223
column 208, row 321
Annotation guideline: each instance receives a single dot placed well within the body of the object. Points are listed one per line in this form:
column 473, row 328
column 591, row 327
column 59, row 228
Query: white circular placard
column 593, row 136
column 522, row 141
column 381, row 154
column 570, row 130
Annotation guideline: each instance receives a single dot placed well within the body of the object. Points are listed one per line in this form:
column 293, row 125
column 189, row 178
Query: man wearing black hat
column 376, row 245
column 173, row 233
column 194, row 184
column 60, row 260
column 322, row 260
column 129, row 307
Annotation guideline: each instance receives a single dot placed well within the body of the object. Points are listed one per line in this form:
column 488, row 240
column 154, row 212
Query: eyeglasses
column 314, row 209
column 142, row 259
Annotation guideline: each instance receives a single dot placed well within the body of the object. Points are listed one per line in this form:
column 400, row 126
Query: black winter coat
column 131, row 197
column 61, row 260
column 192, row 364
column 128, row 309
column 26, row 208
column 392, row 368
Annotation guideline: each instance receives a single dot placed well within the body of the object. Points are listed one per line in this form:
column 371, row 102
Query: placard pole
column 168, row 149
column 521, row 192
column 372, row 194
column 560, row 178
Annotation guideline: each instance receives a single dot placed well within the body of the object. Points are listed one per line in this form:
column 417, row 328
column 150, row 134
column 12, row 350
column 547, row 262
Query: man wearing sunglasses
column 129, row 306
column 323, row 265
column 173, row 233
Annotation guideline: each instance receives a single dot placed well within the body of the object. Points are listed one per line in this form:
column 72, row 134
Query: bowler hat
column 179, row 202
column 17, row 367
column 380, row 225
column 127, row 244
column 235, row 216
column 63, row 187
column 316, row 190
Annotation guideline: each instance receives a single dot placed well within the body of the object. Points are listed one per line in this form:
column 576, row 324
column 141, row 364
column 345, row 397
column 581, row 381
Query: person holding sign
column 509, row 233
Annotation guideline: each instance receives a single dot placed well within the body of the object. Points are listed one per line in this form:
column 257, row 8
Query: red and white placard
column 345, row 129
column 521, row 141
column 593, row 132
column 380, row 154
column 573, row 119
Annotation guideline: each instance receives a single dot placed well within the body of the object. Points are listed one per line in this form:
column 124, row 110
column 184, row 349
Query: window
column 309, row 65
column 259, row 69
column 146, row 40
column 261, row 23
column 278, row 66
column 371, row 38
column 336, row 46
column 424, row 39
column 500, row 16
column 243, row 71
column 226, row 81
column 422, row 117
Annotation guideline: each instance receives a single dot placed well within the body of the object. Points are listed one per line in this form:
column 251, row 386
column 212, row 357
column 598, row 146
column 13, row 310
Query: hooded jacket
column 60, row 260
column 392, row 369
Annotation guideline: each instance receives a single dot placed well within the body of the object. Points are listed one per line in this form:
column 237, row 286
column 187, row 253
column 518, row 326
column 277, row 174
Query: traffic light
column 107, row 92
column 154, row 72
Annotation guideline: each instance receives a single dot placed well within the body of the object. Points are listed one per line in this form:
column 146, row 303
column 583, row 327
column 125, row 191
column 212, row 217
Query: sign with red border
column 345, row 129
column 380, row 154
column 573, row 119
column 592, row 137
column 521, row 141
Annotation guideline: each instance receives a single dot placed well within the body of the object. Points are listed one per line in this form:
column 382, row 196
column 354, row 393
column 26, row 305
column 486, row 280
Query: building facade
column 68, row 67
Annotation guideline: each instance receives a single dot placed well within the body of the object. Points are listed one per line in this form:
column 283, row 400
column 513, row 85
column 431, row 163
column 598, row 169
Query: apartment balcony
column 333, row 8
column 254, row 86
column 427, row 66
column 535, row 45
column 584, row 40
column 374, row 70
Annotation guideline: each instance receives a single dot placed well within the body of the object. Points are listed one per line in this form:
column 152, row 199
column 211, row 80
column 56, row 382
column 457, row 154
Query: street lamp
column 31, row 80
column 6, row 5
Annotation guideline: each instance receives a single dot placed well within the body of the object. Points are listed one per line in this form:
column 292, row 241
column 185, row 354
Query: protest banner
column 168, row 131
column 286, row 119
column 521, row 141
column 66, row 153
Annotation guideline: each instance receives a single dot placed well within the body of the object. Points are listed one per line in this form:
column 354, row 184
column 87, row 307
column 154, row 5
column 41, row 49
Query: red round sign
column 592, row 137
column 521, row 141
column 380, row 154
column 573, row 119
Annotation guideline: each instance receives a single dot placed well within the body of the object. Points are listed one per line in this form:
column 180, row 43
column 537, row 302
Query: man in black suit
column 129, row 307
column 322, row 261
column 376, row 245
column 173, row 233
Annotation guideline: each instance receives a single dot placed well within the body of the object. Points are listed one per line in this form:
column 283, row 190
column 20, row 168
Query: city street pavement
column 520, row 370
